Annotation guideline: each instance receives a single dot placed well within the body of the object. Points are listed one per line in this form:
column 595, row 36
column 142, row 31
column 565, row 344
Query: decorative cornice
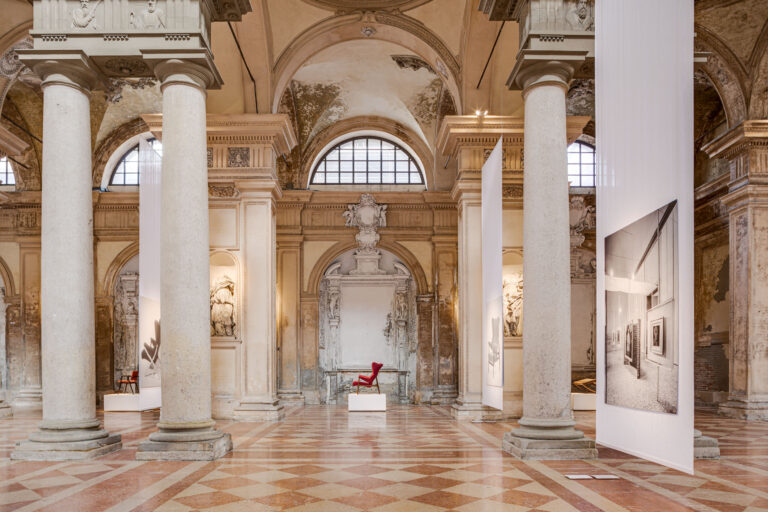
column 273, row 129
column 737, row 139
column 484, row 132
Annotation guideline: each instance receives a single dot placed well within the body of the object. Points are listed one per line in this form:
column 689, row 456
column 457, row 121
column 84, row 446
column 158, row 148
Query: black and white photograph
column 640, row 292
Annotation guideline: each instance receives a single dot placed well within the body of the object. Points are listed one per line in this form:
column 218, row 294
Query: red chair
column 368, row 381
column 131, row 381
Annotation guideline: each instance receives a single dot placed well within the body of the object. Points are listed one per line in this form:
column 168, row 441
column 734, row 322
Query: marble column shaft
column 70, row 429
column 546, row 428
column 186, row 429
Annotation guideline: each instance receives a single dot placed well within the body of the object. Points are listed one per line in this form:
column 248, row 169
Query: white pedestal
column 144, row 400
column 583, row 401
column 367, row 402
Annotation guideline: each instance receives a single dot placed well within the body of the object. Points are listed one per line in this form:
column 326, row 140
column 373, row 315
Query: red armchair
column 368, row 381
column 129, row 381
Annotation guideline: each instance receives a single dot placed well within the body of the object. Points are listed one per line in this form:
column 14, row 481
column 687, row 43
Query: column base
column 67, row 444
column 259, row 411
column 29, row 400
column 475, row 411
column 548, row 440
column 744, row 409
column 5, row 410
column 705, row 447
column 205, row 444
column 291, row 397
column 443, row 396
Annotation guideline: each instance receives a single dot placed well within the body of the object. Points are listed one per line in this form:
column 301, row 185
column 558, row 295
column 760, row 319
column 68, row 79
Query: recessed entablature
column 126, row 38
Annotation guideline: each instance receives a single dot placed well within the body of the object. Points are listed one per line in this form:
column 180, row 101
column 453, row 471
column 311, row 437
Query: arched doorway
column 367, row 313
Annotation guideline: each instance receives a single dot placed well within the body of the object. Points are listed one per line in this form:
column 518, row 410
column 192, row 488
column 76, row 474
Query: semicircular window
column 367, row 161
column 581, row 164
column 127, row 170
column 6, row 172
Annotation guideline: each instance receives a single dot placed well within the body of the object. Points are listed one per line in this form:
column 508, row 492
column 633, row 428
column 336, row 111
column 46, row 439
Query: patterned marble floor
column 410, row 459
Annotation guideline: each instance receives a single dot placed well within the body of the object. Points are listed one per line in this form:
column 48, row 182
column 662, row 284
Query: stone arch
column 7, row 277
column 406, row 256
column 395, row 28
column 369, row 123
column 758, row 66
column 117, row 264
column 726, row 73
column 112, row 143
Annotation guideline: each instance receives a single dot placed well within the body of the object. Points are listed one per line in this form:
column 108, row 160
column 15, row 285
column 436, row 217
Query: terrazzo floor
column 410, row 459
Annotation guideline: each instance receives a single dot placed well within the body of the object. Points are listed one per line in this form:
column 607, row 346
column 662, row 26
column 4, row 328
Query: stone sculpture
column 513, row 305
column 150, row 18
column 580, row 17
column 83, row 16
column 223, row 307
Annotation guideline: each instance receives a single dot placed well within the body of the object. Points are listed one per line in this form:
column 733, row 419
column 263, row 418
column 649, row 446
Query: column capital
column 71, row 68
column 745, row 146
column 199, row 72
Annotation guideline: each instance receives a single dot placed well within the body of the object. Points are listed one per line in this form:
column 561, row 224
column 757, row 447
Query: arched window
column 581, row 165
column 367, row 161
column 6, row 172
column 126, row 171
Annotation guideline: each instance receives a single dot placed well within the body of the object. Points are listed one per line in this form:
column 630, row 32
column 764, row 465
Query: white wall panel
column 644, row 114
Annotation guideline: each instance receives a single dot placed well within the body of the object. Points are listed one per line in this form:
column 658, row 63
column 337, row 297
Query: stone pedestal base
column 556, row 444
column 443, row 396
column 29, row 400
column 705, row 447
column 469, row 411
column 206, row 445
column 67, row 445
column 291, row 397
column 259, row 411
column 5, row 410
column 745, row 409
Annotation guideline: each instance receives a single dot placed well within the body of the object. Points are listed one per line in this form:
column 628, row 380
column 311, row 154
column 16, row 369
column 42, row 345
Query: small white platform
column 583, row 401
column 144, row 400
column 367, row 402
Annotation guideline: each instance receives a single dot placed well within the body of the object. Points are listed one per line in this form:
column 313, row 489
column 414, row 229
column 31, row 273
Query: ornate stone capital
column 201, row 74
column 746, row 148
column 66, row 68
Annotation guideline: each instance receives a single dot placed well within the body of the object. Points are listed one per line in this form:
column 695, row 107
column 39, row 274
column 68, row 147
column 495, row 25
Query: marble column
column 546, row 428
column 69, row 429
column 185, row 430
column 746, row 148
column 5, row 409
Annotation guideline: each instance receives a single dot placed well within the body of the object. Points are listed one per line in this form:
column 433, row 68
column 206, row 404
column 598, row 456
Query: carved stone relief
column 223, row 307
column 238, row 157
column 152, row 17
column 581, row 217
column 513, row 305
column 126, row 323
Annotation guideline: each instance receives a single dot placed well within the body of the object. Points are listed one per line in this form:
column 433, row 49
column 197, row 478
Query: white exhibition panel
column 493, row 279
column 149, row 363
column 367, row 402
column 644, row 114
column 364, row 310
column 147, row 399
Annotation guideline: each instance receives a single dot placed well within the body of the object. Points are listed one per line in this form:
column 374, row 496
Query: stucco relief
column 126, row 322
column 513, row 304
column 223, row 307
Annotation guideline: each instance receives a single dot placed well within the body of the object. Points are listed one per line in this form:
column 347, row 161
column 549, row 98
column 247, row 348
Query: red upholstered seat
column 368, row 381
column 130, row 381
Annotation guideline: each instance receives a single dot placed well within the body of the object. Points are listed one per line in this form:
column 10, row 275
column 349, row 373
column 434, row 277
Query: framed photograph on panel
column 656, row 336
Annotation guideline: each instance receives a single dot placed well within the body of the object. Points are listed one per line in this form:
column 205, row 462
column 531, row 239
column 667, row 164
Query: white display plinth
column 583, row 401
column 144, row 400
column 367, row 402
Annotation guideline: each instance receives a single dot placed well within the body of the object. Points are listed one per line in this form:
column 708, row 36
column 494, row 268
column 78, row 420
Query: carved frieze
column 222, row 190
column 223, row 307
column 582, row 217
column 238, row 157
